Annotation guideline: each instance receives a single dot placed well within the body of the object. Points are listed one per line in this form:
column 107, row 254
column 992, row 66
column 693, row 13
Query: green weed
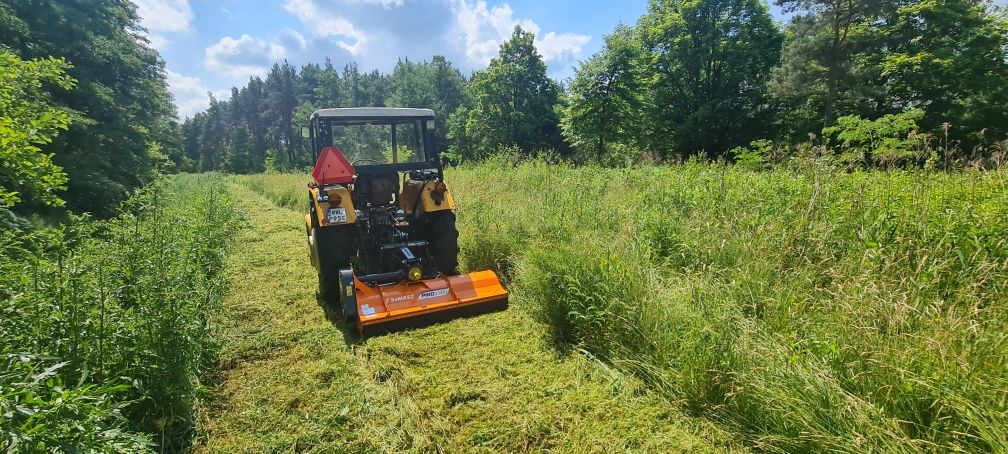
column 124, row 306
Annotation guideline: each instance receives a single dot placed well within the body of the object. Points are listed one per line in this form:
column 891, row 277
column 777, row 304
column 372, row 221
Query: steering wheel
column 362, row 160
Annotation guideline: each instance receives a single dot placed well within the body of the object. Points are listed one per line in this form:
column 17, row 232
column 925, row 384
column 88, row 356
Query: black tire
column 441, row 234
column 335, row 248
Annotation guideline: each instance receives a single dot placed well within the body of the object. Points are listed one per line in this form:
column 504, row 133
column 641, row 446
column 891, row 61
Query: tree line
column 513, row 103
column 872, row 81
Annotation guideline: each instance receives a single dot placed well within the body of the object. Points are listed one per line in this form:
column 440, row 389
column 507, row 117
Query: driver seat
column 377, row 188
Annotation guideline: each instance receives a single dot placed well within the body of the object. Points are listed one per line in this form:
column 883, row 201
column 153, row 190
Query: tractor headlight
column 414, row 274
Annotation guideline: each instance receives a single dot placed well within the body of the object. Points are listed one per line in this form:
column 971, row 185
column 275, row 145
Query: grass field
column 795, row 310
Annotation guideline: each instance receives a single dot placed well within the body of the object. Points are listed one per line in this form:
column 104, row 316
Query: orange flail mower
column 381, row 224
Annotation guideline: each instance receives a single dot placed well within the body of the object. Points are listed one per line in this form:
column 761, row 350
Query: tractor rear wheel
column 442, row 236
column 335, row 248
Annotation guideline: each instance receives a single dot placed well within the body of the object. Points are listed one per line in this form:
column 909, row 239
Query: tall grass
column 804, row 310
column 288, row 190
column 106, row 324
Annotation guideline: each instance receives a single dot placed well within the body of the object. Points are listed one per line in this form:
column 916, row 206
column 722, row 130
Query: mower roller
column 381, row 224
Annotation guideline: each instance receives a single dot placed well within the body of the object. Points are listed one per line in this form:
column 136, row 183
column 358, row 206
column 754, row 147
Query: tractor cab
column 381, row 222
column 379, row 143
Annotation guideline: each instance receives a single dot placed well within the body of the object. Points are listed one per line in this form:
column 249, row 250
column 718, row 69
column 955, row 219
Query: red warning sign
column 332, row 168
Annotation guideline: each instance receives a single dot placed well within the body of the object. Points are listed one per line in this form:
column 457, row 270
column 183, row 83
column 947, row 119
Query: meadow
column 799, row 309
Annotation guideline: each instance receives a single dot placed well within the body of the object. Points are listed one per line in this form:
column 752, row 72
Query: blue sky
column 212, row 45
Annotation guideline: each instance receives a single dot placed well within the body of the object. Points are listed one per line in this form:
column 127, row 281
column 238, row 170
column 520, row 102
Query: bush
column 890, row 141
column 760, row 155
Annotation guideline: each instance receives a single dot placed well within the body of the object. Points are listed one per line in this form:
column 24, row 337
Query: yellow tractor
column 381, row 224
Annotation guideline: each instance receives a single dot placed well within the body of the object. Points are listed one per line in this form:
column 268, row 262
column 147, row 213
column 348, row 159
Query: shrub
column 43, row 413
column 890, row 141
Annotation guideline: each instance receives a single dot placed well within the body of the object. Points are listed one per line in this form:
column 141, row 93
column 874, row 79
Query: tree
column 29, row 121
column 123, row 121
column 435, row 85
column 710, row 61
column 830, row 55
column 950, row 59
column 328, row 92
column 605, row 96
column 212, row 136
column 514, row 101
column 281, row 97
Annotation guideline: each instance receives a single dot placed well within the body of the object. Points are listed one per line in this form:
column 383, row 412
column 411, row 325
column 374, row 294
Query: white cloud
column 484, row 29
column 387, row 4
column 157, row 41
column 562, row 48
column 243, row 56
column 190, row 94
column 165, row 15
column 375, row 34
column 324, row 22
column 292, row 40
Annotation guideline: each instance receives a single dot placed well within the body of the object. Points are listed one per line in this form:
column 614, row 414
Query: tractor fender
column 320, row 207
column 428, row 203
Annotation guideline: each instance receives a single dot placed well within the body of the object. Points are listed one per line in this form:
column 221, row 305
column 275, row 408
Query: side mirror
column 304, row 132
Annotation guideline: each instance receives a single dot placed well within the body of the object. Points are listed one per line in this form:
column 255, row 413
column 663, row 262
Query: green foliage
column 761, row 154
column 43, row 413
column 435, row 85
column 117, row 114
column 830, row 59
column 708, row 62
column 513, row 103
column 259, row 126
column 125, row 301
column 692, row 78
column 403, row 154
column 946, row 58
column 605, row 98
column 30, row 121
column 689, row 78
column 890, row 140
column 950, row 59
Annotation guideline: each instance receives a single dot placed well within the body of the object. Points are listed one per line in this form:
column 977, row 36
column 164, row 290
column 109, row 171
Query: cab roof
column 375, row 113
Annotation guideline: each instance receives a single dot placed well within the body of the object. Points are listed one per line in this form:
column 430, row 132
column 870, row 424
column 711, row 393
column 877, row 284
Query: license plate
column 336, row 215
